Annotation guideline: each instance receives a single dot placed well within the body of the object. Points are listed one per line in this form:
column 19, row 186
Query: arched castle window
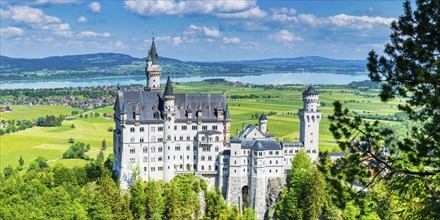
column 308, row 118
column 203, row 167
column 216, row 148
column 188, row 167
column 153, row 139
column 169, row 138
column 209, row 167
column 203, row 138
column 188, row 138
column 132, row 139
column 141, row 139
column 217, row 138
column 181, row 137
column 159, row 149
column 145, row 159
column 202, row 158
column 145, row 150
column 209, row 158
column 313, row 118
column 188, row 147
column 153, row 150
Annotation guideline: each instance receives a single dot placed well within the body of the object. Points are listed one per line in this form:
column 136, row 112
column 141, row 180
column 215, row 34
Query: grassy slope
column 52, row 142
column 30, row 112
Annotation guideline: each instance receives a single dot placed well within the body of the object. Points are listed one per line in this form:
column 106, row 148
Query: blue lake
column 264, row 79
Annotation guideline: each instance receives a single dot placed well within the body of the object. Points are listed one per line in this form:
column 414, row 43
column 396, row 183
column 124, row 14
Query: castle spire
column 169, row 88
column 152, row 55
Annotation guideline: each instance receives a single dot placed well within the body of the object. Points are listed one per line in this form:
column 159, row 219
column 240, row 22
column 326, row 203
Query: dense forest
column 45, row 192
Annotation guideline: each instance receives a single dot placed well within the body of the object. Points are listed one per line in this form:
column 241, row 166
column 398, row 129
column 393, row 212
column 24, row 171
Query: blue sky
column 196, row 30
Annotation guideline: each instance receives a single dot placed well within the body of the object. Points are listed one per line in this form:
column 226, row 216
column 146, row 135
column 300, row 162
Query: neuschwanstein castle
column 160, row 134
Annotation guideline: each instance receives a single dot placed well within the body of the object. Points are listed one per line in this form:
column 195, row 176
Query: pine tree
column 409, row 68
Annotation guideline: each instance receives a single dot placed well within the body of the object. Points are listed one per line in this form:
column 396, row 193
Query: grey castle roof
column 260, row 144
column 236, row 139
column 311, row 91
column 149, row 105
column 262, row 117
column 168, row 88
column 152, row 54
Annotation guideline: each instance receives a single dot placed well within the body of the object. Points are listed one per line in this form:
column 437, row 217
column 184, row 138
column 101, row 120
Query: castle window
column 203, row 167
column 277, row 152
column 132, row 139
column 141, row 140
column 177, row 148
column 181, row 138
column 153, row 169
column 175, row 127
column 159, row 158
column 270, row 162
column 214, row 127
column 132, row 151
column 160, row 128
column 175, row 138
column 311, row 133
column 145, row 150
column 285, row 151
column 276, row 161
column 168, row 147
column 235, row 162
column 188, row 138
column 296, row 151
column 188, row 167
column 204, row 127
column 311, row 141
column 132, row 160
column 270, row 152
column 132, row 129
column 217, row 138
column 194, row 127
column 153, row 159
column 202, row 158
column 160, row 168
column 216, row 167
column 313, row 151
column 270, row 171
column 216, row 148
column 153, row 150
column 169, row 138
column 235, row 171
column 181, row 166
column 209, row 158
column 203, row 138
column 209, row 167
column 181, row 157
column 145, row 169
column 187, row 157
column 153, row 129
column 206, row 149
column 141, row 129
column 184, row 127
column 145, row 159
column 159, row 149
column 160, row 139
column 188, row 147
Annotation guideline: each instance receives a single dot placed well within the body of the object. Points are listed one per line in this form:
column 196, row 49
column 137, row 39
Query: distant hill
column 114, row 64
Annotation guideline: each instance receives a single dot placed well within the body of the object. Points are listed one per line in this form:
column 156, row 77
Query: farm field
column 52, row 142
column 244, row 103
column 32, row 112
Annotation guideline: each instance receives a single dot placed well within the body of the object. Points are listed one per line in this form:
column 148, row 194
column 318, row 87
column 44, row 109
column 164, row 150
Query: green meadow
column 52, row 142
column 32, row 112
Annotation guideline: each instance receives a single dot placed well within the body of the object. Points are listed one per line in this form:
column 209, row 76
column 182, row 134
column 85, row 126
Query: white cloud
column 254, row 12
column 358, row 22
column 37, row 19
column 209, row 32
column 93, row 34
column 82, row 20
column 119, row 45
column 232, row 40
column 284, row 36
column 184, row 7
column 29, row 15
column 95, row 7
column 177, row 41
column 11, row 32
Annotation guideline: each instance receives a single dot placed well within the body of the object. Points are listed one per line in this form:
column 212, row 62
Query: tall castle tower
column 310, row 118
column 153, row 69
column 262, row 121
column 168, row 115
column 258, row 181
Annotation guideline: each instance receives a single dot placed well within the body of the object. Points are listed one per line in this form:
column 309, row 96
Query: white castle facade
column 160, row 134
